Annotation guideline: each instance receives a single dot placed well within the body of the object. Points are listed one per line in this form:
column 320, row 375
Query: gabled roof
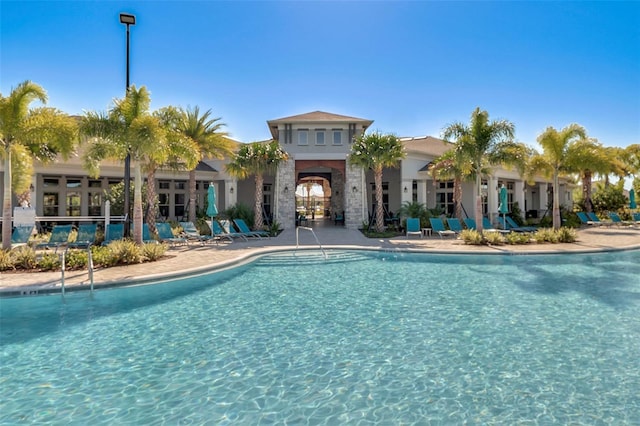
column 319, row 116
column 426, row 145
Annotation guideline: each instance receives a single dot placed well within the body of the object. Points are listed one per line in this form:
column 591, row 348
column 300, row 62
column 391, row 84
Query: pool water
column 360, row 338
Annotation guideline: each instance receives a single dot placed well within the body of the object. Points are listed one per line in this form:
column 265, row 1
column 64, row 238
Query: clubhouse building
column 316, row 180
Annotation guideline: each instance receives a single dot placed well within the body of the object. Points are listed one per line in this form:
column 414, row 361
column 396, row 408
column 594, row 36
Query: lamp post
column 127, row 19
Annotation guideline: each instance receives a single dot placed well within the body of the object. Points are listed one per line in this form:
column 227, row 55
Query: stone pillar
column 355, row 197
column 338, row 192
column 285, row 208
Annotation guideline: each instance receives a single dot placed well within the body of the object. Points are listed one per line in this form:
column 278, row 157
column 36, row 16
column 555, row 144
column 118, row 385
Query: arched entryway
column 320, row 188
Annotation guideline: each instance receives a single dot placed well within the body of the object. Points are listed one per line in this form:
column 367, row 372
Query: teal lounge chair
column 218, row 232
column 596, row 220
column 413, row 227
column 86, row 236
column 487, row 226
column 615, row 218
column 166, row 235
column 113, row 232
column 438, row 226
column 59, row 237
column 584, row 219
column 454, row 224
column 513, row 226
column 243, row 227
column 192, row 233
column 470, row 223
column 636, row 217
column 230, row 230
column 21, row 234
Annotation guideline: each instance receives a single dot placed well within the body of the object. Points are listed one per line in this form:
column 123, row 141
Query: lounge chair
column 166, row 234
column 220, row 232
column 86, row 236
column 636, row 217
column 113, row 232
column 146, row 235
column 595, row 219
column 413, row 227
column 454, row 224
column 513, row 226
column 338, row 219
column 59, row 237
column 487, row 226
column 470, row 223
column 243, row 227
column 584, row 219
column 615, row 218
column 21, row 234
column 192, row 233
column 227, row 226
column 438, row 226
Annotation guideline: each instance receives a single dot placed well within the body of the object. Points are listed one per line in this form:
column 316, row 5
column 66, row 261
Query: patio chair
column 146, row 235
column 470, row 223
column 338, row 218
column 217, row 231
column 594, row 218
column 113, row 232
column 227, row 226
column 615, row 218
column 413, row 226
column 636, row 217
column 513, row 226
column 243, row 227
column 166, row 235
column 59, row 237
column 192, row 233
column 438, row 226
column 454, row 224
column 487, row 226
column 86, row 236
column 584, row 219
column 21, row 234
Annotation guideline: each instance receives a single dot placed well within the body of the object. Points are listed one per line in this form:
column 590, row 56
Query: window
column 337, row 137
column 73, row 204
column 163, row 205
column 303, row 135
column 95, row 203
column 180, row 185
column 50, row 204
column 74, row 183
column 49, row 182
column 95, row 184
column 444, row 197
column 164, row 184
column 319, row 136
column 179, row 204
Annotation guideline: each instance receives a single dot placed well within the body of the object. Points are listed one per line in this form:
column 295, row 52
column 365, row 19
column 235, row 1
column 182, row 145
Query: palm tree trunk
column 556, row 201
column 379, row 207
column 257, row 216
column 137, row 206
column 586, row 191
column 478, row 207
column 6, row 201
column 152, row 201
column 192, row 196
column 457, row 197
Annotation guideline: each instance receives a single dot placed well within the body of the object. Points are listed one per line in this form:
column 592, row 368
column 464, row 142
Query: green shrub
column 274, row 229
column 494, row 238
column 545, row 235
column 49, row 262
column 152, row 252
column 518, row 238
column 6, row 260
column 103, row 256
column 24, row 257
column 567, row 235
column 77, row 259
column 125, row 251
column 240, row 211
column 471, row 236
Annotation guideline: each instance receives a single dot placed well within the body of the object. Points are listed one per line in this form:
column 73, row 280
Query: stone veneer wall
column 354, row 211
column 286, row 208
column 338, row 191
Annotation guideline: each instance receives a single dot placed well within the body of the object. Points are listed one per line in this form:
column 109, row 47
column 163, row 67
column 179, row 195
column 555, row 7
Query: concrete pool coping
column 197, row 259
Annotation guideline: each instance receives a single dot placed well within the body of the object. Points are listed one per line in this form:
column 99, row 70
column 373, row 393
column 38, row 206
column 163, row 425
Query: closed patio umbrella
column 504, row 206
column 632, row 199
column 212, row 210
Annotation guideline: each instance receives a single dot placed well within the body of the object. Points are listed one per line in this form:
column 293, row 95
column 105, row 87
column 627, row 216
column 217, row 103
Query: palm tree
column 482, row 142
column 27, row 134
column 452, row 165
column 127, row 128
column 212, row 142
column 257, row 158
column 556, row 158
column 376, row 151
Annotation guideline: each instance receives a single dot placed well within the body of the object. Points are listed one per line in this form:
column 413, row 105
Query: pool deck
column 183, row 260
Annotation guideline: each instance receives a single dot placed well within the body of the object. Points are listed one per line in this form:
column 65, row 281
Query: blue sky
column 412, row 67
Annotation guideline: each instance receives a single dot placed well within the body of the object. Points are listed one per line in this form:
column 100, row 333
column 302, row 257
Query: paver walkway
column 193, row 258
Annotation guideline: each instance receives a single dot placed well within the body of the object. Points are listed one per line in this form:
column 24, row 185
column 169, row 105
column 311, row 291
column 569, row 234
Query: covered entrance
column 319, row 189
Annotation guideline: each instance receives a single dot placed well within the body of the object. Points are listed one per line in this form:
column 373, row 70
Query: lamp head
column 126, row 18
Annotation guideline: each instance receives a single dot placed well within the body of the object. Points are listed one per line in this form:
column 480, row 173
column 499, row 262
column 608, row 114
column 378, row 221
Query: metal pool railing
column 314, row 236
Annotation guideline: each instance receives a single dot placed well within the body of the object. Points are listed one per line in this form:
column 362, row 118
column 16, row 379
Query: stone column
column 355, row 197
column 285, row 208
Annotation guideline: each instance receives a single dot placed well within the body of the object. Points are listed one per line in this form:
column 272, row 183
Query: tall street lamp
column 127, row 19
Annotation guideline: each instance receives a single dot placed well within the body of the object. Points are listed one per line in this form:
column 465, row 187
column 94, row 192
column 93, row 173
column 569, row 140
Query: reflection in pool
column 384, row 338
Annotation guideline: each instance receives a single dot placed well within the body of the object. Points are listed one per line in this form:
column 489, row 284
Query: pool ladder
column 63, row 267
column 314, row 236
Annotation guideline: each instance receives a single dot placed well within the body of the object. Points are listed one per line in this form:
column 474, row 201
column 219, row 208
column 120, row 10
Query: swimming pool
column 379, row 338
